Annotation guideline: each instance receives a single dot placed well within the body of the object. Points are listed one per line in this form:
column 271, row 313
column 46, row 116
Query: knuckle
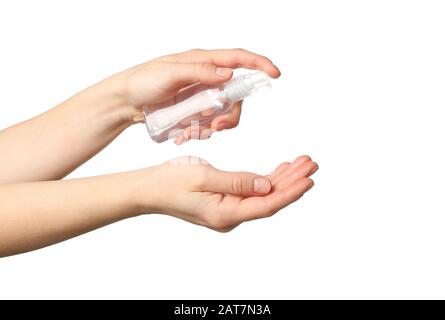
column 237, row 185
column 195, row 50
column 239, row 50
column 201, row 68
column 232, row 121
column 262, row 57
column 235, row 122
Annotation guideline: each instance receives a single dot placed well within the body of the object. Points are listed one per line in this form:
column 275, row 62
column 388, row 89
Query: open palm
column 220, row 200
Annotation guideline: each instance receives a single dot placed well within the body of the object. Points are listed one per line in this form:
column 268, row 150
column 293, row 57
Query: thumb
column 236, row 183
column 184, row 74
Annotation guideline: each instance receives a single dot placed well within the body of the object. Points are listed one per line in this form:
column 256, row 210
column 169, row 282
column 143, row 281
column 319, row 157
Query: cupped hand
column 159, row 81
column 191, row 189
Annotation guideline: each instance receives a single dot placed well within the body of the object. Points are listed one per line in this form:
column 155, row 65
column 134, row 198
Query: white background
column 362, row 92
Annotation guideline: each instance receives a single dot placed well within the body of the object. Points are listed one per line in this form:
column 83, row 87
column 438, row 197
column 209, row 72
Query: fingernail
column 261, row 185
column 223, row 72
column 314, row 169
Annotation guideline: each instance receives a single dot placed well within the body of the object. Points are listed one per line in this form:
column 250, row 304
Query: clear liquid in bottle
column 199, row 105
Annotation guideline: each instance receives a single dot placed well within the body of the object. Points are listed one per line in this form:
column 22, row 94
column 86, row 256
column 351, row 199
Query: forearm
column 37, row 214
column 51, row 145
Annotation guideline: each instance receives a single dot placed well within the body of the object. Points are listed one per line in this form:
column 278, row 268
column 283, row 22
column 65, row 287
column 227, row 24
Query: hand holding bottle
column 158, row 82
column 197, row 106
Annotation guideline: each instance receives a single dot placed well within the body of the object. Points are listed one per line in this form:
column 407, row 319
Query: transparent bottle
column 198, row 105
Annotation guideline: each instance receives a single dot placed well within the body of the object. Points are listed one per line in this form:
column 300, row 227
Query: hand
column 158, row 81
column 191, row 189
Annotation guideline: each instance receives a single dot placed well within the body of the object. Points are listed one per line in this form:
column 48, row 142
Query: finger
column 277, row 171
column 303, row 171
column 228, row 120
column 230, row 58
column 301, row 159
column 178, row 140
column 261, row 207
column 205, row 132
column 236, row 183
column 294, row 165
column 197, row 133
column 183, row 137
column 184, row 74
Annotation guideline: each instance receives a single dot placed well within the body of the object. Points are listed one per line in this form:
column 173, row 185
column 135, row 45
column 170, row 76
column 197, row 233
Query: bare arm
column 53, row 144
column 38, row 214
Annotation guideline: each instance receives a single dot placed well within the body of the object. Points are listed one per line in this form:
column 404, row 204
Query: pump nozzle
column 243, row 86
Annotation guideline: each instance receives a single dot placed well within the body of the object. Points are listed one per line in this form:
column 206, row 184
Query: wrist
column 113, row 93
column 141, row 188
column 106, row 104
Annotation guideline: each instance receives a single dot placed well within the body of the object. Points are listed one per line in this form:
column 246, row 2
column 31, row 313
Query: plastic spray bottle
column 199, row 105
